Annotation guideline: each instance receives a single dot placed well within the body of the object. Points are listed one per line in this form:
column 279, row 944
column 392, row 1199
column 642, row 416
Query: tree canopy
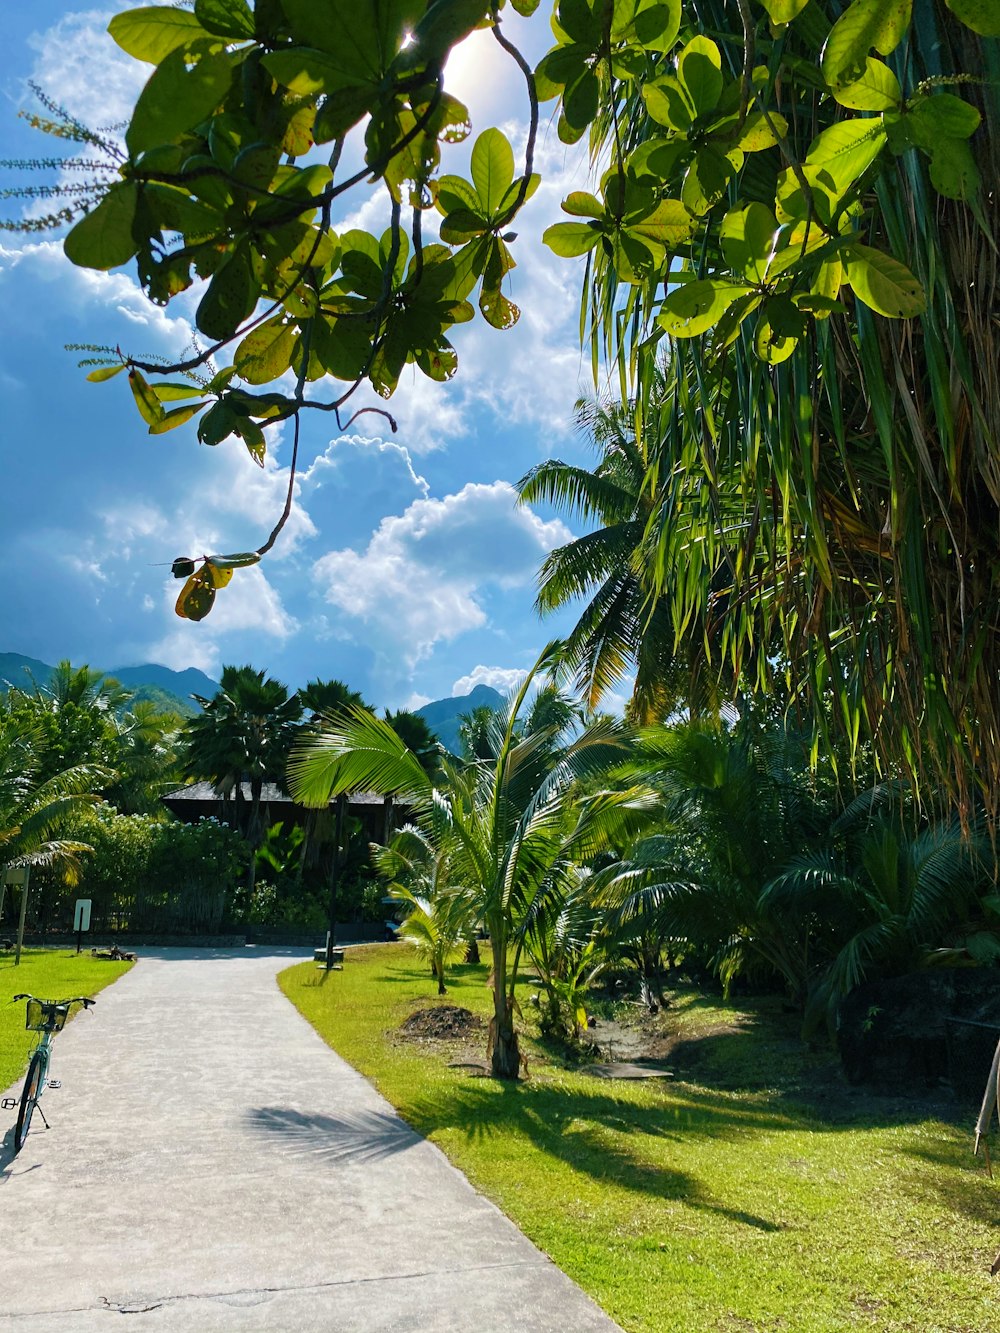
column 794, row 200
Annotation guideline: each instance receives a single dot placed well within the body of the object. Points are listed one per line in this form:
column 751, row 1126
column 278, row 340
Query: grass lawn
column 689, row 1206
column 53, row 974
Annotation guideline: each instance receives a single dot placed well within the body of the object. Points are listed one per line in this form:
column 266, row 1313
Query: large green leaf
column 982, row 16
column 231, row 296
column 783, row 11
column 177, row 96
column 693, row 308
column 883, row 283
column 103, row 237
column 492, row 169
column 569, row 239
column 877, row 89
column 846, row 150
column 657, row 23
column 863, row 25
column 699, row 71
column 266, row 352
column 152, row 32
column 953, row 169
column 226, row 18
column 748, row 239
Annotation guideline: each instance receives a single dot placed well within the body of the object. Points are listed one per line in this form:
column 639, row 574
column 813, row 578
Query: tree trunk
column 472, row 950
column 506, row 1057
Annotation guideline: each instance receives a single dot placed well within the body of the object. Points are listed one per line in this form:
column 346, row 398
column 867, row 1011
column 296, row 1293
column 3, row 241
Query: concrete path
column 212, row 1165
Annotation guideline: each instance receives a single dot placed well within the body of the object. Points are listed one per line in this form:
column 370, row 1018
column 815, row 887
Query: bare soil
column 445, row 1022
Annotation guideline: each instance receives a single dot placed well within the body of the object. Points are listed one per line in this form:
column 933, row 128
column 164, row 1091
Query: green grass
column 683, row 1206
column 53, row 974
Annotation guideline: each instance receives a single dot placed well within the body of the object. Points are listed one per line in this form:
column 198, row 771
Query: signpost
column 19, row 875
column 81, row 918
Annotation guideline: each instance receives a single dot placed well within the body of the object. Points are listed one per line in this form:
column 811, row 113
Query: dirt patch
column 445, row 1022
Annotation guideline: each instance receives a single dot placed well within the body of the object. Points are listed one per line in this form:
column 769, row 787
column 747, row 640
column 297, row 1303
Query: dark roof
column 271, row 794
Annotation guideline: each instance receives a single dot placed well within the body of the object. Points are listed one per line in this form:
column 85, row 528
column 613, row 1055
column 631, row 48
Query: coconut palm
column 623, row 626
column 34, row 810
column 517, row 824
column 242, row 736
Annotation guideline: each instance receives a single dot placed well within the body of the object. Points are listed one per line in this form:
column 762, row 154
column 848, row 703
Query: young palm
column 418, row 872
column 517, row 823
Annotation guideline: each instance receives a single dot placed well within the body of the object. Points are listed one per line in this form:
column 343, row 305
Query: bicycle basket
column 46, row 1017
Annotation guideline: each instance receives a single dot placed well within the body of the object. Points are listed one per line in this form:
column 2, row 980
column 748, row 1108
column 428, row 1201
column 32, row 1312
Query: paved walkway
column 212, row 1165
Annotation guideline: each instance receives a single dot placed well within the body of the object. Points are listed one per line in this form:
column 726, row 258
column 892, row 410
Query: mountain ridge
column 442, row 715
column 169, row 690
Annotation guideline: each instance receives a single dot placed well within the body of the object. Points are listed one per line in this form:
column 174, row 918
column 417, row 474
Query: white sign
column 81, row 916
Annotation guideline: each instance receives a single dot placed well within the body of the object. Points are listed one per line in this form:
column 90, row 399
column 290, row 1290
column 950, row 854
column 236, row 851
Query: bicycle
column 46, row 1017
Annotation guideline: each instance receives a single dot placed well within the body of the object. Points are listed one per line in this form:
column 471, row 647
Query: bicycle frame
column 52, row 1015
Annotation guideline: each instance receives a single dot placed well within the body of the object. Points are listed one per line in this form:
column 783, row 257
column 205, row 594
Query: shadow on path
column 364, row 1137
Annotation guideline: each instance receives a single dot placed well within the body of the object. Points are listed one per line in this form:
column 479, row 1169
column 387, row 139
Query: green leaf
column 693, row 308
column 307, row 71
column 105, row 373
column 580, row 204
column 657, row 23
column 883, row 283
column 152, row 32
column 943, row 115
column 757, row 134
column 150, row 407
column 668, row 104
column 176, row 418
column 953, row 169
column 103, row 237
column 176, row 210
column 864, row 24
column 783, row 11
column 266, row 352
column 218, row 422
column 172, row 391
column 705, row 180
column 846, row 150
column 748, row 240
column 446, row 23
column 670, row 224
column 778, row 331
column 231, row 296
column 226, row 18
column 699, row 72
column 492, row 169
column 569, row 239
column 877, row 90
column 177, row 97
column 982, row 16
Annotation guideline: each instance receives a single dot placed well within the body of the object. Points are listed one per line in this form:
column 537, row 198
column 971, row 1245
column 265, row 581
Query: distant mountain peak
column 443, row 715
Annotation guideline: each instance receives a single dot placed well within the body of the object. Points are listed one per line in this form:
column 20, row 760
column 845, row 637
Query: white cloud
column 499, row 678
column 80, row 66
column 426, row 575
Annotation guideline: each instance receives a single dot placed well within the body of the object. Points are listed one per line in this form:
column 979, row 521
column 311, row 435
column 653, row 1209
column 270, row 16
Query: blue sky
column 406, row 569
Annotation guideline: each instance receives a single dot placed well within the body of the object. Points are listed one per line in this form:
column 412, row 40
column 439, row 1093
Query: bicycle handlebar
column 85, row 1000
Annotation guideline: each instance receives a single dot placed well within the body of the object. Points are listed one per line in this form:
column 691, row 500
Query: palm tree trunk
column 506, row 1056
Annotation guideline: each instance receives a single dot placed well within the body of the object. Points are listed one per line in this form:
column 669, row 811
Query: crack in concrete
column 265, row 1293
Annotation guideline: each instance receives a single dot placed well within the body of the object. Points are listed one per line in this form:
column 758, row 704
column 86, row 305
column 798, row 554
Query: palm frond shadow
column 575, row 1129
column 367, row 1136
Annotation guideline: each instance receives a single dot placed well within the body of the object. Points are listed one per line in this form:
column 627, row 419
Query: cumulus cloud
column 499, row 678
column 79, row 64
column 426, row 576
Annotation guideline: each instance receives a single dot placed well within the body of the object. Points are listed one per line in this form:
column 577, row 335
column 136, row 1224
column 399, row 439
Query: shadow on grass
column 585, row 1131
column 365, row 1137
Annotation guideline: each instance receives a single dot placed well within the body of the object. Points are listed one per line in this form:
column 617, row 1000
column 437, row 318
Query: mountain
column 442, row 715
column 169, row 690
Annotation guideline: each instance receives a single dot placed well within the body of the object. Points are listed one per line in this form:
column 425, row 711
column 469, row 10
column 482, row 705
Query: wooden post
column 338, row 834
column 24, row 910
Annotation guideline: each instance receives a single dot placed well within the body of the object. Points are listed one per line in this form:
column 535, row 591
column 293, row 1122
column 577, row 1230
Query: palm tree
column 518, row 823
column 439, row 914
column 623, row 626
column 243, row 735
column 34, row 809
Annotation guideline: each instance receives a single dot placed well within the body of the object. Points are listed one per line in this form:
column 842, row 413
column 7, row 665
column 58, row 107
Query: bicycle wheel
column 32, row 1088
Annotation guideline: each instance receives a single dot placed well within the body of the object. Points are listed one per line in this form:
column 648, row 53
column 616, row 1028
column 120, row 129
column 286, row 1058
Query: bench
column 337, row 958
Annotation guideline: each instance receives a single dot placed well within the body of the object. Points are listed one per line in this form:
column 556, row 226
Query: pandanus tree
column 517, row 823
column 800, row 216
